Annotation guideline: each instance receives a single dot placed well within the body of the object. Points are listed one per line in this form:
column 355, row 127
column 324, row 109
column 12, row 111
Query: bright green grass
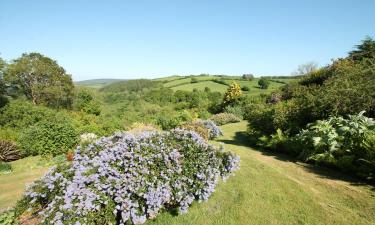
column 201, row 85
column 184, row 81
column 25, row 171
column 253, row 85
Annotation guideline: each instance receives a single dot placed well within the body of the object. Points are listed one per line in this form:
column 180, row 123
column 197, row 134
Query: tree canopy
column 364, row 50
column 41, row 80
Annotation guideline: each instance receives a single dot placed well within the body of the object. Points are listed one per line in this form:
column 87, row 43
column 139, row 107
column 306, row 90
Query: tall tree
column 42, row 80
column 364, row 50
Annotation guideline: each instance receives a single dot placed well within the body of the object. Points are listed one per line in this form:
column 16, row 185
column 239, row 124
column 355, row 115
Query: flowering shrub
column 224, row 118
column 214, row 130
column 87, row 138
column 129, row 178
column 198, row 128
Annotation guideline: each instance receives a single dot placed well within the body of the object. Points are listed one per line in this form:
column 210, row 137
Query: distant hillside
column 97, row 83
column 220, row 83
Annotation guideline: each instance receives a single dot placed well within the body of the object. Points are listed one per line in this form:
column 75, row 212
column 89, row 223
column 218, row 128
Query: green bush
column 20, row 114
column 339, row 142
column 224, row 118
column 235, row 110
column 245, row 88
column 263, row 83
column 48, row 138
column 198, row 128
column 167, row 123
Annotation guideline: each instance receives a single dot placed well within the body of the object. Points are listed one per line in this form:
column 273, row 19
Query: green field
column 201, row 85
column 267, row 189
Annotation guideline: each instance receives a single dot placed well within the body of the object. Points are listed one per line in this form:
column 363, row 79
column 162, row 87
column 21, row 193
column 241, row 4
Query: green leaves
column 348, row 144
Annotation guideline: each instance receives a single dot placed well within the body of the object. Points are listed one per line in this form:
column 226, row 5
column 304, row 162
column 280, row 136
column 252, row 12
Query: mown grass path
column 271, row 189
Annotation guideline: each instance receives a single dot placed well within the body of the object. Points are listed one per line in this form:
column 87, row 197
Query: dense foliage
column 263, row 83
column 328, row 95
column 126, row 178
column 340, row 142
column 233, row 93
column 48, row 138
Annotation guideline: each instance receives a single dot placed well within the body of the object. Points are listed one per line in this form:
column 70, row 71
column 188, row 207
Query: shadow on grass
column 242, row 139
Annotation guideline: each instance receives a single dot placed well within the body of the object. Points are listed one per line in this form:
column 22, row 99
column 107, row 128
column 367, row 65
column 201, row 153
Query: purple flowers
column 126, row 178
column 213, row 129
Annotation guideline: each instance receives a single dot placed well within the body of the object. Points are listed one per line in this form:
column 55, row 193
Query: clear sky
column 133, row 39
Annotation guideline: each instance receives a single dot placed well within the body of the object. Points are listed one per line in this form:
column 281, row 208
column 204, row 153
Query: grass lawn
column 12, row 185
column 267, row 189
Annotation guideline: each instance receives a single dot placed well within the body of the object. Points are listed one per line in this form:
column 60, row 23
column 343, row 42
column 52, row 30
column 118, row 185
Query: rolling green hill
column 97, row 83
column 221, row 83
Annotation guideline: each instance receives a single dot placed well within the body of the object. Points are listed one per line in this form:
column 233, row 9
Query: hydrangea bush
column 129, row 178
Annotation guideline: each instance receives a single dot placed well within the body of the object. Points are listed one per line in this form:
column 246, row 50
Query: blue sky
column 133, row 39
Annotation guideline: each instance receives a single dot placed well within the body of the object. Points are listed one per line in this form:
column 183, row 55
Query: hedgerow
column 129, row 179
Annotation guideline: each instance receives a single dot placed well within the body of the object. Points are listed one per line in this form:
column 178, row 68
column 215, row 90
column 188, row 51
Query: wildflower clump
column 129, row 178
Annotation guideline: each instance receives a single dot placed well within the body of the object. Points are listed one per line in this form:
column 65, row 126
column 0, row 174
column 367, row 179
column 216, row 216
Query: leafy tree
column 263, row 83
column 42, row 80
column 364, row 50
column 233, row 93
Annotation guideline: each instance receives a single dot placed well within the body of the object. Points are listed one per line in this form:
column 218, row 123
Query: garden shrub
column 235, row 110
column 224, row 118
column 232, row 94
column 198, row 128
column 8, row 151
column 346, row 143
column 167, row 123
column 214, row 130
column 126, row 179
column 48, row 138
